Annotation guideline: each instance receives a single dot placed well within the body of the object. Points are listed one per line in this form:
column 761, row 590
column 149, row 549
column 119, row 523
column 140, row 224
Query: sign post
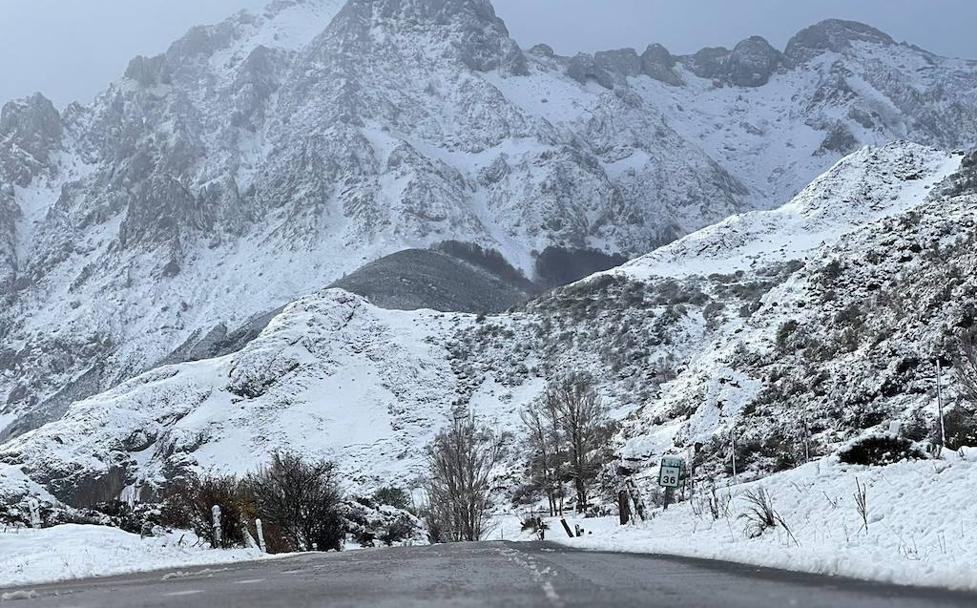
column 670, row 475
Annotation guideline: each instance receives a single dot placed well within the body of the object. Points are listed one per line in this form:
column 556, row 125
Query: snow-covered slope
column 68, row 552
column 867, row 186
column 681, row 356
column 916, row 536
column 260, row 159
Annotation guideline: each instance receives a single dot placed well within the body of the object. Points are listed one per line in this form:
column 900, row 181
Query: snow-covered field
column 66, row 552
column 922, row 524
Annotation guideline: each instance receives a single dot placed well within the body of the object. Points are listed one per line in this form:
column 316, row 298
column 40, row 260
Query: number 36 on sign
column 670, row 473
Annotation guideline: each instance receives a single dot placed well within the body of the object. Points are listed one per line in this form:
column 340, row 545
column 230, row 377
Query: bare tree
column 582, row 420
column 545, row 459
column 460, row 461
column 302, row 499
column 965, row 364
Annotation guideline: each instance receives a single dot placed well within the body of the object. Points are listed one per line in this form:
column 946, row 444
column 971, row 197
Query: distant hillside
column 422, row 278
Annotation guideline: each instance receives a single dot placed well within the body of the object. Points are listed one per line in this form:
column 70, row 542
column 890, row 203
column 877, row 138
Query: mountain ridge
column 259, row 159
column 681, row 359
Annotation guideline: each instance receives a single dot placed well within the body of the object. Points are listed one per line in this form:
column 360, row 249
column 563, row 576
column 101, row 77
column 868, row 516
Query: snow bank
column 921, row 530
column 72, row 551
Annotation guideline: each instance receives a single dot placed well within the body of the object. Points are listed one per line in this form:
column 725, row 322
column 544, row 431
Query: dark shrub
column 302, row 500
column 784, row 334
column 393, row 497
column 880, row 450
column 400, row 527
column 140, row 518
column 961, row 428
column 189, row 506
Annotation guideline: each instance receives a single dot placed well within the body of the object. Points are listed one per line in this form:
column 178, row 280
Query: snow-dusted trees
column 583, row 421
column 546, row 461
column 460, row 461
column 961, row 421
column 569, row 439
column 966, row 366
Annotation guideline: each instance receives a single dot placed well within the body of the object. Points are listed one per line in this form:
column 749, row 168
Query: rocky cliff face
column 260, row 159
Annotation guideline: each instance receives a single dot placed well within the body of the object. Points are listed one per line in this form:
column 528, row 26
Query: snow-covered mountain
column 871, row 265
column 261, row 159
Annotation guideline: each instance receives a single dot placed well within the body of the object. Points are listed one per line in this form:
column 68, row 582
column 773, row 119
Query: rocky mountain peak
column 470, row 29
column 832, row 35
column 30, row 129
column 751, row 63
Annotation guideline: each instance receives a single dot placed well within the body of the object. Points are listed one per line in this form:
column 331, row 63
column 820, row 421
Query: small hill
column 417, row 279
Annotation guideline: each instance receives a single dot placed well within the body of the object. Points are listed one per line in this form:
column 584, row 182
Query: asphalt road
column 480, row 574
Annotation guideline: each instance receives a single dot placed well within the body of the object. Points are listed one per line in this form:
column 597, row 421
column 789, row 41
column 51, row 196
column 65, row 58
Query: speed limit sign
column 670, row 473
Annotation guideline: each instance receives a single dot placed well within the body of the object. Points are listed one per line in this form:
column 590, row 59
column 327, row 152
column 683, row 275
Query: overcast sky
column 70, row 49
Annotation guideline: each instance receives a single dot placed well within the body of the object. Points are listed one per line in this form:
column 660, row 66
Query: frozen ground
column 72, row 551
column 921, row 530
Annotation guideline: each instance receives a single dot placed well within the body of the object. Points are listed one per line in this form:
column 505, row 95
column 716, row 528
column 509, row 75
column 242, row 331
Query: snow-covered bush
column 392, row 496
column 880, row 450
column 138, row 518
column 370, row 524
column 961, row 427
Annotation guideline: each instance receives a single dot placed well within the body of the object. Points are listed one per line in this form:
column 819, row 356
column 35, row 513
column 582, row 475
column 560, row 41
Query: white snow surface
column 32, row 556
column 919, row 533
column 871, row 184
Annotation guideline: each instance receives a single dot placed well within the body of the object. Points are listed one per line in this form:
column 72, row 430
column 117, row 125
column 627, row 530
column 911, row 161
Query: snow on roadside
column 922, row 524
column 29, row 556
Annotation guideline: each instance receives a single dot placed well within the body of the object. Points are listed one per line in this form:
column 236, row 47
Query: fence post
column 623, row 507
column 261, row 535
column 248, row 539
column 35, row 508
column 566, row 527
column 216, row 512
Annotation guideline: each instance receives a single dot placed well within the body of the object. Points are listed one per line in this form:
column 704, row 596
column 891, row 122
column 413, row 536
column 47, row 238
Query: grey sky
column 70, row 49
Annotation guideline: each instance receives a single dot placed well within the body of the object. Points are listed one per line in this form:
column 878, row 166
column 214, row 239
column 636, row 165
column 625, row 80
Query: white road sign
column 670, row 473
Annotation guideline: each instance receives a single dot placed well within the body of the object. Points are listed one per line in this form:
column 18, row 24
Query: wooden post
column 624, row 507
column 733, row 437
column 566, row 527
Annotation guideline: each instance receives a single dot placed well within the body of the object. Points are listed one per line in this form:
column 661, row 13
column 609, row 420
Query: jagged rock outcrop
column 658, row 63
column 30, row 131
column 833, row 35
column 9, row 215
column 751, row 63
column 584, row 68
